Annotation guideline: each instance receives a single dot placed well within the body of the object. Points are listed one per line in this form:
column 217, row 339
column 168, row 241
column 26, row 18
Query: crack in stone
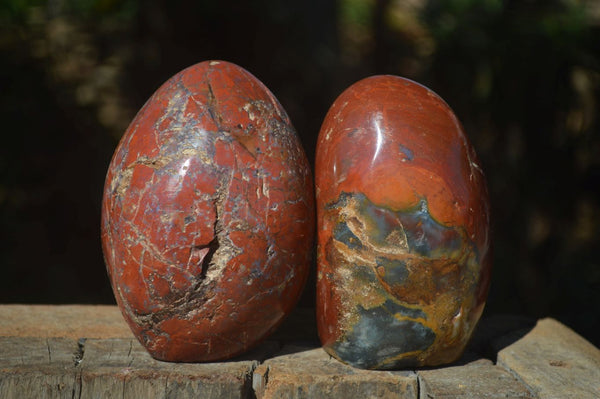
column 213, row 256
column 154, row 163
column 213, row 105
column 121, row 181
column 203, row 254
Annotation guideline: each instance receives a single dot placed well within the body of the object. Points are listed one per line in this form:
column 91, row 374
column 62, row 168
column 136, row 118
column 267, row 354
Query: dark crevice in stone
column 206, row 253
column 212, row 105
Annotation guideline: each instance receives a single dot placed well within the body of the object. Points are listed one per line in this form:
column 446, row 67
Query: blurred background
column 522, row 76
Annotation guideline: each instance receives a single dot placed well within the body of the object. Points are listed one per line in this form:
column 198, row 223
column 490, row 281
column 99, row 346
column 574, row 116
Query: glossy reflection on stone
column 403, row 228
column 207, row 217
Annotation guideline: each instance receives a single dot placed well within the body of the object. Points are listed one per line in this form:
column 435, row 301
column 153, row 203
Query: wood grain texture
column 110, row 368
column 123, row 368
column 309, row 372
column 70, row 321
column 478, row 379
column 555, row 362
column 38, row 368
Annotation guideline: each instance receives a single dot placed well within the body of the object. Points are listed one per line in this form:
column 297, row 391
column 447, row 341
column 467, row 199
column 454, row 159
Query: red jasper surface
column 208, row 216
column 403, row 228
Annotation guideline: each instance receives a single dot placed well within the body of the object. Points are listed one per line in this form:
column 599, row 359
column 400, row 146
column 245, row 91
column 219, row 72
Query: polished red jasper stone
column 403, row 228
column 207, row 216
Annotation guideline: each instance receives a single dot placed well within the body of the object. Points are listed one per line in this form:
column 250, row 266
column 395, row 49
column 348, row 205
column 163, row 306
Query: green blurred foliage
column 522, row 76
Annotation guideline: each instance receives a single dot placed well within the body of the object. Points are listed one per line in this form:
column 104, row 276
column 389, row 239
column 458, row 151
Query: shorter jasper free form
column 403, row 228
column 207, row 216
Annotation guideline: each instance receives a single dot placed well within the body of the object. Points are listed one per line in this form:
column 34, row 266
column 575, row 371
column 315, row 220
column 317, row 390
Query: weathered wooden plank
column 33, row 367
column 122, row 368
column 38, row 382
column 22, row 351
column 309, row 372
column 38, row 368
column 70, row 321
column 478, row 379
column 550, row 360
column 555, row 362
